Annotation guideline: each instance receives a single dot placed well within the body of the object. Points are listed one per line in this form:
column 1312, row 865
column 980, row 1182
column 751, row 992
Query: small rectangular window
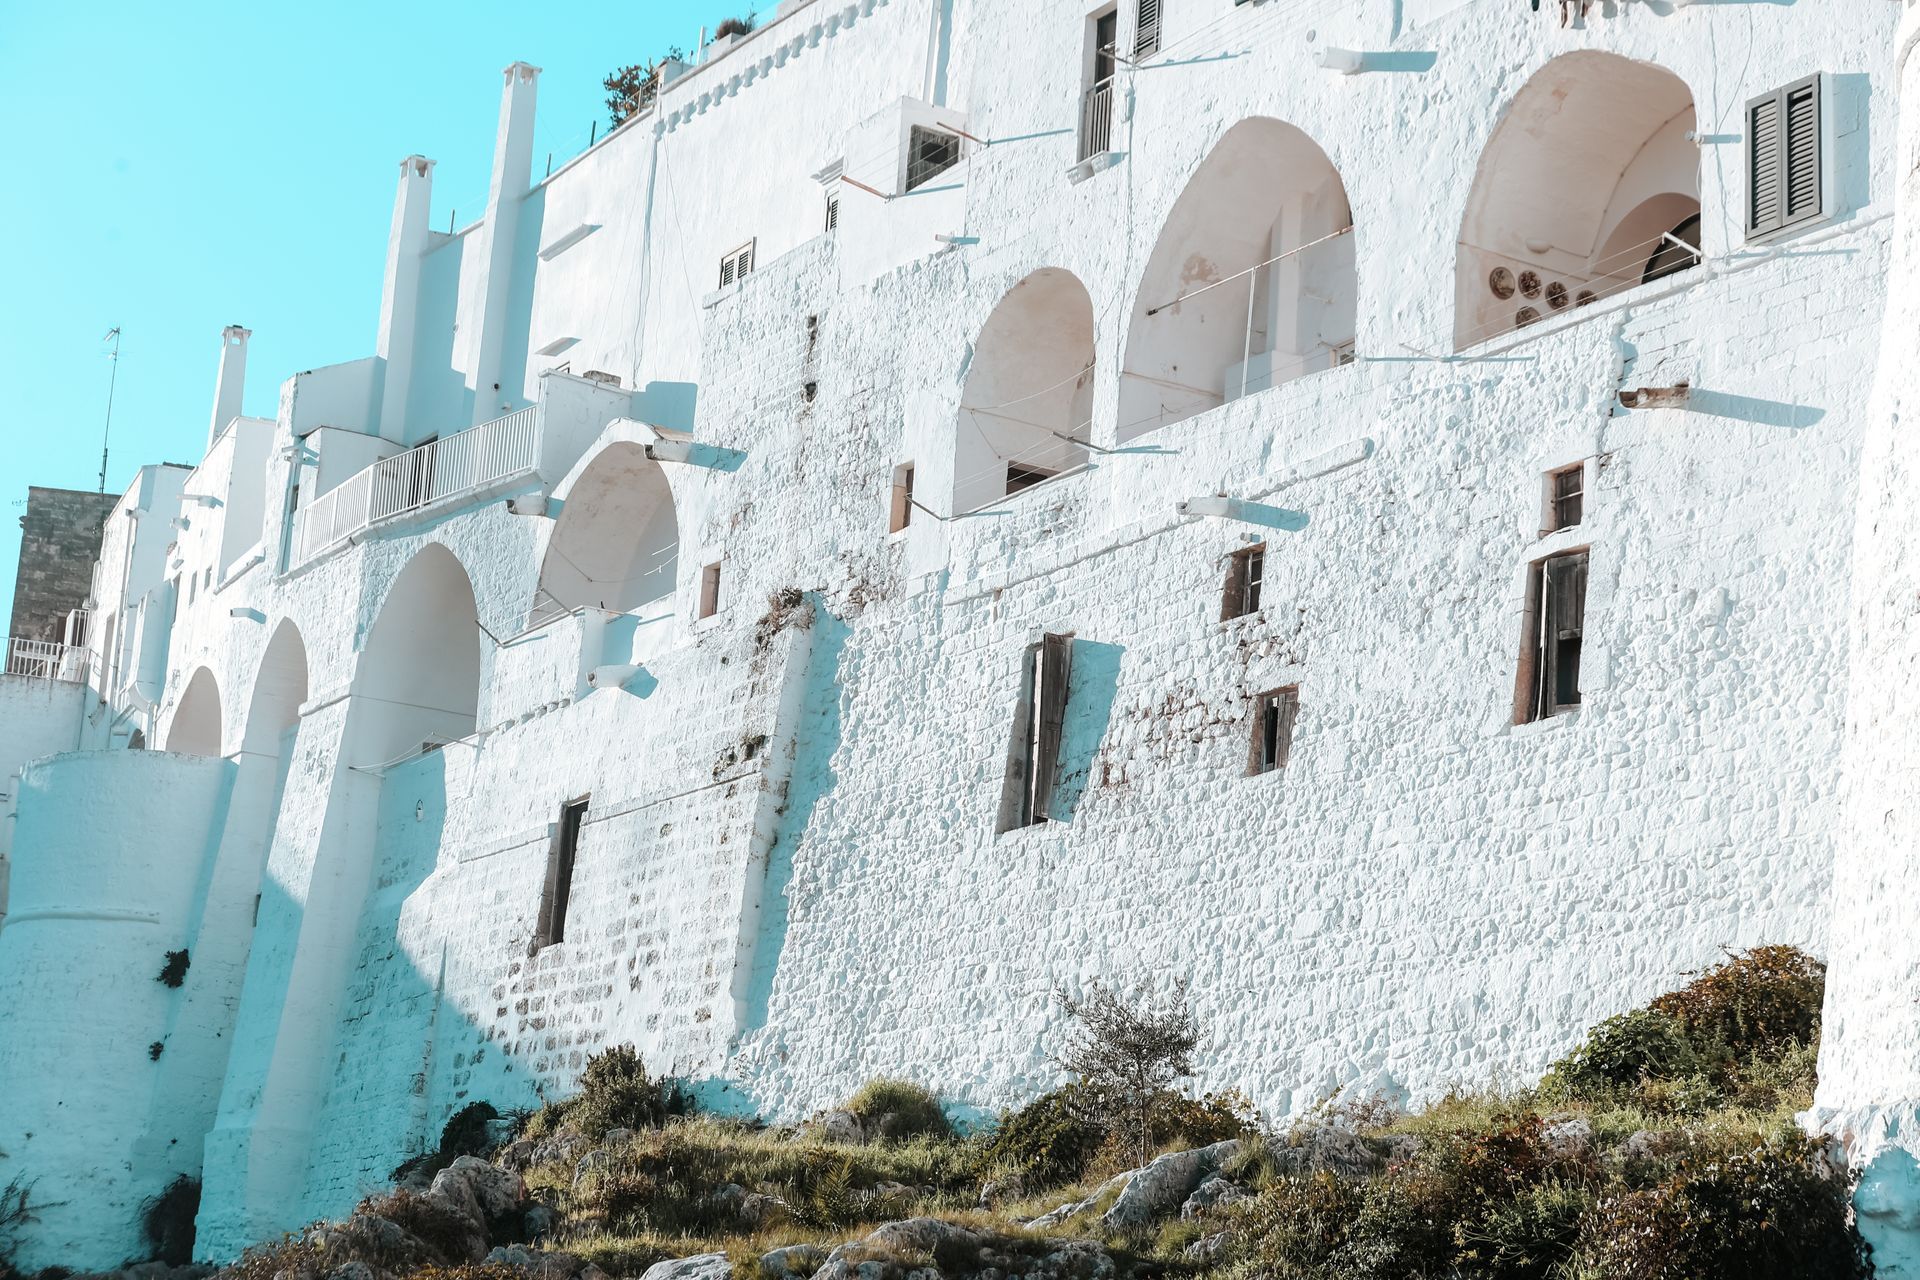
column 1273, row 717
column 736, row 264
column 1556, row 622
column 1566, row 494
column 558, row 891
column 710, row 590
column 1027, row 799
column 900, row 513
column 833, row 210
column 930, row 153
column 1784, row 159
column 1246, row 572
column 1024, row 477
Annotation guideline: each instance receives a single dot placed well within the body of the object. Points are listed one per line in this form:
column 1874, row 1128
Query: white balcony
column 46, row 660
column 457, row 466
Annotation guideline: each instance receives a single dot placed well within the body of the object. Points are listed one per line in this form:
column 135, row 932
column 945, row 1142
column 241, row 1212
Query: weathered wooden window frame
column 1275, row 713
column 1536, row 680
column 709, row 603
column 1556, row 515
column 1033, row 763
column 563, row 850
column 1246, row 579
column 900, row 504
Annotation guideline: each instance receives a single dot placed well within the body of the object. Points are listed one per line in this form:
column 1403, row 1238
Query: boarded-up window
column 1784, row 158
column 1566, row 497
column 1246, row 573
column 1273, row 717
column 710, row 590
column 1556, row 624
column 558, row 891
column 900, row 512
column 1034, row 766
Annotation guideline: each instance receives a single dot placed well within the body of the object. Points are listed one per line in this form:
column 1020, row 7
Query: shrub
column 1779, row 1212
column 167, row 1221
column 616, row 1093
column 15, row 1214
column 174, row 972
column 1621, row 1052
column 1128, row 1052
column 733, row 27
column 464, row 1134
column 1050, row 1141
column 896, row 1109
column 1753, row 1002
column 446, row 1233
column 824, row 1197
column 1530, row 1236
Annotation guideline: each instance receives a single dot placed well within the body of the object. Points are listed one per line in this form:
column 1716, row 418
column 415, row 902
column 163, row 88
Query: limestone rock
column 1206, row 1248
column 1328, row 1148
column 1164, row 1185
column 1569, row 1139
column 795, row 1262
column 1073, row 1208
column 702, row 1266
column 1213, row 1193
column 837, row 1126
column 517, row 1155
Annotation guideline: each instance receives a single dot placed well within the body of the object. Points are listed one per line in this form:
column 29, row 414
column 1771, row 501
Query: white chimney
column 231, row 382
column 400, row 292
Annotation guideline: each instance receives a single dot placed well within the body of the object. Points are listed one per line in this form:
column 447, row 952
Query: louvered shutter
column 746, row 261
column 1050, row 713
column 1146, row 28
column 1763, row 165
column 1801, row 152
column 726, row 271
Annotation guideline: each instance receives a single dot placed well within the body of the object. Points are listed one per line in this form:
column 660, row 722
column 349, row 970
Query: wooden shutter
column 726, row 271
column 1286, row 710
column 1763, row 165
column 1784, row 158
column 1051, row 667
column 1146, row 28
column 1800, row 159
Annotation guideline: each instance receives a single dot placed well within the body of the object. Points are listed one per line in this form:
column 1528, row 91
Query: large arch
column 1577, row 193
column 195, row 730
column 279, row 688
column 417, row 682
column 616, row 543
column 1028, row 394
column 1264, row 191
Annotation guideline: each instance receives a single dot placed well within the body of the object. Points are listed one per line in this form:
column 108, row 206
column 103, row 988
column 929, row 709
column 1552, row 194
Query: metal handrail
column 46, row 659
column 459, row 464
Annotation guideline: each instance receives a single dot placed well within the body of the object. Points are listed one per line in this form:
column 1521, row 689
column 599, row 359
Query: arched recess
column 417, row 682
column 278, row 690
column 195, row 730
column 616, row 543
column 1577, row 194
column 1265, row 220
column 1028, row 394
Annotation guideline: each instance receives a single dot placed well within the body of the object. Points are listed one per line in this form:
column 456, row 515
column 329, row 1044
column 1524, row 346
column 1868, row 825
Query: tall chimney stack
column 231, row 383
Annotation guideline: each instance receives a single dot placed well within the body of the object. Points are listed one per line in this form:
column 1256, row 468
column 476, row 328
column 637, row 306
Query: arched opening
column 195, row 730
column 417, row 683
column 1251, row 284
column 278, row 690
column 1588, row 187
column 1027, row 400
column 616, row 545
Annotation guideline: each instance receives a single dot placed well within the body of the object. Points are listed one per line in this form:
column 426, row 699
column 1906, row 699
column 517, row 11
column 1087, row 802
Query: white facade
column 665, row 573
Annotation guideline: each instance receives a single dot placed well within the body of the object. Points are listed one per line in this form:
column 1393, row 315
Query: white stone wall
column 789, row 879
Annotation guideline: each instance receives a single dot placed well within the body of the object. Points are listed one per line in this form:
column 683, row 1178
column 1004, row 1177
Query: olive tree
column 1128, row 1051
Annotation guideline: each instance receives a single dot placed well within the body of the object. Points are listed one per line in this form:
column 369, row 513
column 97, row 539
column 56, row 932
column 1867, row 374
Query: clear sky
column 174, row 168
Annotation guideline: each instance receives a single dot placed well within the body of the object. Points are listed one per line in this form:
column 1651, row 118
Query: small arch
column 1577, row 193
column 1264, row 191
column 417, row 681
column 279, row 688
column 616, row 544
column 1028, row 394
column 195, row 730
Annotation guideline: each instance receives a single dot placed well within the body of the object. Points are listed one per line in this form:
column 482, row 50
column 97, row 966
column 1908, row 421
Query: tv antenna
column 113, row 336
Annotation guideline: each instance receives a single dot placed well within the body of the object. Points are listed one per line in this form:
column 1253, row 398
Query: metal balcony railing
column 46, row 660
column 449, row 468
column 1096, row 120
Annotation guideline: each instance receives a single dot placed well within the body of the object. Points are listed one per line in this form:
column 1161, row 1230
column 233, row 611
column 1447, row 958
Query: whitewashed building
column 1391, row 509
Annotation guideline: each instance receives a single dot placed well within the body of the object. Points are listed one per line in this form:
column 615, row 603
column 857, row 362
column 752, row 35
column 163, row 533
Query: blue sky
column 177, row 168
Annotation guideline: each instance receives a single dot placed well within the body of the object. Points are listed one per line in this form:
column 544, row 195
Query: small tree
column 1128, row 1053
column 632, row 89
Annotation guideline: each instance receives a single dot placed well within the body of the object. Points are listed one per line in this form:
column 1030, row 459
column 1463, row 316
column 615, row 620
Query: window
column 1024, row 477
column 1027, row 799
column 900, row 514
column 930, row 152
column 1784, row 158
column 1146, row 28
column 1096, row 107
column 1556, row 617
column 833, row 210
column 736, row 264
column 1273, row 717
column 552, row 925
column 1678, row 250
column 1566, row 492
column 1246, row 570
column 710, row 590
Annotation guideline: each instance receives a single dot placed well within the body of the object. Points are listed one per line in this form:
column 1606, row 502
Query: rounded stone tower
column 1869, row 1093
